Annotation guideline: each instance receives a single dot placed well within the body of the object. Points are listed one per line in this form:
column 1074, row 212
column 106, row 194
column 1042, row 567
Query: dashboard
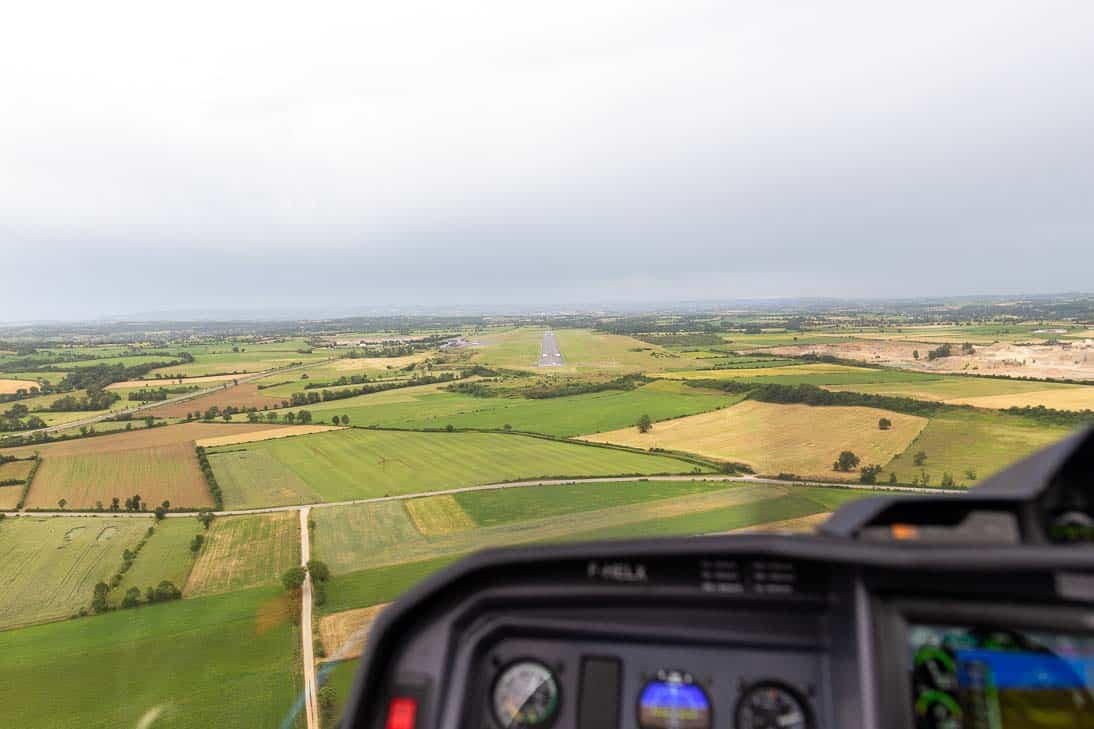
column 911, row 613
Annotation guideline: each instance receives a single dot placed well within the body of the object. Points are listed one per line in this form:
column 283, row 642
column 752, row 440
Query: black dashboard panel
column 757, row 631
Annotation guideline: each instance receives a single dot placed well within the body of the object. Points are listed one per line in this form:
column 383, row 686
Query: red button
column 401, row 712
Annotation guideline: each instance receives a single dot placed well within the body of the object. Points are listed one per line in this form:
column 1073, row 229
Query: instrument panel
column 547, row 684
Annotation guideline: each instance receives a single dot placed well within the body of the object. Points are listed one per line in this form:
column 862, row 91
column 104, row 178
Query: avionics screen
column 974, row 677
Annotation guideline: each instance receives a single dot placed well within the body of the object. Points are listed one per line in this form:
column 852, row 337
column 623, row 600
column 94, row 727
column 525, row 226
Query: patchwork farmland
column 412, row 447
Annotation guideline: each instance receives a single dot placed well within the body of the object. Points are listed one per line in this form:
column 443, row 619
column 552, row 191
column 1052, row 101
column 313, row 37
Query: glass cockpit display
column 968, row 677
column 673, row 701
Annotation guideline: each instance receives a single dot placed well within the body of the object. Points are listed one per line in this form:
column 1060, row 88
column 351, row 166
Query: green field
column 346, row 538
column 355, row 463
column 750, row 513
column 360, row 536
column 239, row 362
column 984, row 442
column 379, row 584
column 49, row 566
column 230, row 660
column 254, row 478
column 935, row 387
column 502, row 506
column 165, row 556
column 431, row 407
column 339, row 676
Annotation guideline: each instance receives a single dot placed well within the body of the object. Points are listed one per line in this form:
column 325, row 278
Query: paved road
column 311, row 692
column 549, row 353
column 500, row 486
column 171, row 400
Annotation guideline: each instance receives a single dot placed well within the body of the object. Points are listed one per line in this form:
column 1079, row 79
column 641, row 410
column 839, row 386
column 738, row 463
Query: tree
column 847, row 461
column 166, row 504
column 293, row 578
column 868, row 474
column 206, row 518
column 290, row 418
column 970, row 474
column 165, row 591
column 328, row 700
column 132, row 597
column 345, row 420
column 303, row 417
column 160, row 512
column 449, row 427
column 98, row 598
column 98, row 506
column 115, row 504
column 196, row 543
column 61, row 502
column 944, row 350
column 645, row 424
column 884, row 424
column 915, row 354
column 318, row 570
column 947, row 480
column 919, row 458
column 892, row 477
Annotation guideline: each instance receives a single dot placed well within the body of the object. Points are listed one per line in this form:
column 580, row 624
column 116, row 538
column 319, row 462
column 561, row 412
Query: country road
column 498, row 487
column 311, row 691
column 169, row 401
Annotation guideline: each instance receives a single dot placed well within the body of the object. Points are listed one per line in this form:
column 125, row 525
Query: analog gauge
column 772, row 705
column 525, row 696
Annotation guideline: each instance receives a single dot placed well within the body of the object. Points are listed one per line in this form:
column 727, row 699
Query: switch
column 401, row 713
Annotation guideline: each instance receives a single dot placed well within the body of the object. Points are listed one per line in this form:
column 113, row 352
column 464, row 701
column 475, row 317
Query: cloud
column 429, row 153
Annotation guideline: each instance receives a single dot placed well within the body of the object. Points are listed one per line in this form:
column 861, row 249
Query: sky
column 285, row 156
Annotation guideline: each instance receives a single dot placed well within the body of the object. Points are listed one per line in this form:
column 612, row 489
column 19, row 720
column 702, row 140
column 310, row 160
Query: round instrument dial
column 525, row 696
column 772, row 705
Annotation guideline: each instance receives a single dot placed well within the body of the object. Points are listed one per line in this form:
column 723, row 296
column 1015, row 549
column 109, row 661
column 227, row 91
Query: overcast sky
column 236, row 155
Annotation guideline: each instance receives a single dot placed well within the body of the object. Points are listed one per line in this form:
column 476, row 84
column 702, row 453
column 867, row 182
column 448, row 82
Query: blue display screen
column 673, row 705
column 1024, row 670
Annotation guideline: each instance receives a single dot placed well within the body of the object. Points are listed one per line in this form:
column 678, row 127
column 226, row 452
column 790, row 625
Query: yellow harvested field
column 436, row 515
column 800, row 525
column 252, row 436
column 10, row 387
column 805, row 369
column 245, row 551
column 169, row 382
column 773, row 439
column 9, row 496
column 15, row 470
column 378, row 363
column 157, row 474
column 345, row 634
column 1074, row 398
